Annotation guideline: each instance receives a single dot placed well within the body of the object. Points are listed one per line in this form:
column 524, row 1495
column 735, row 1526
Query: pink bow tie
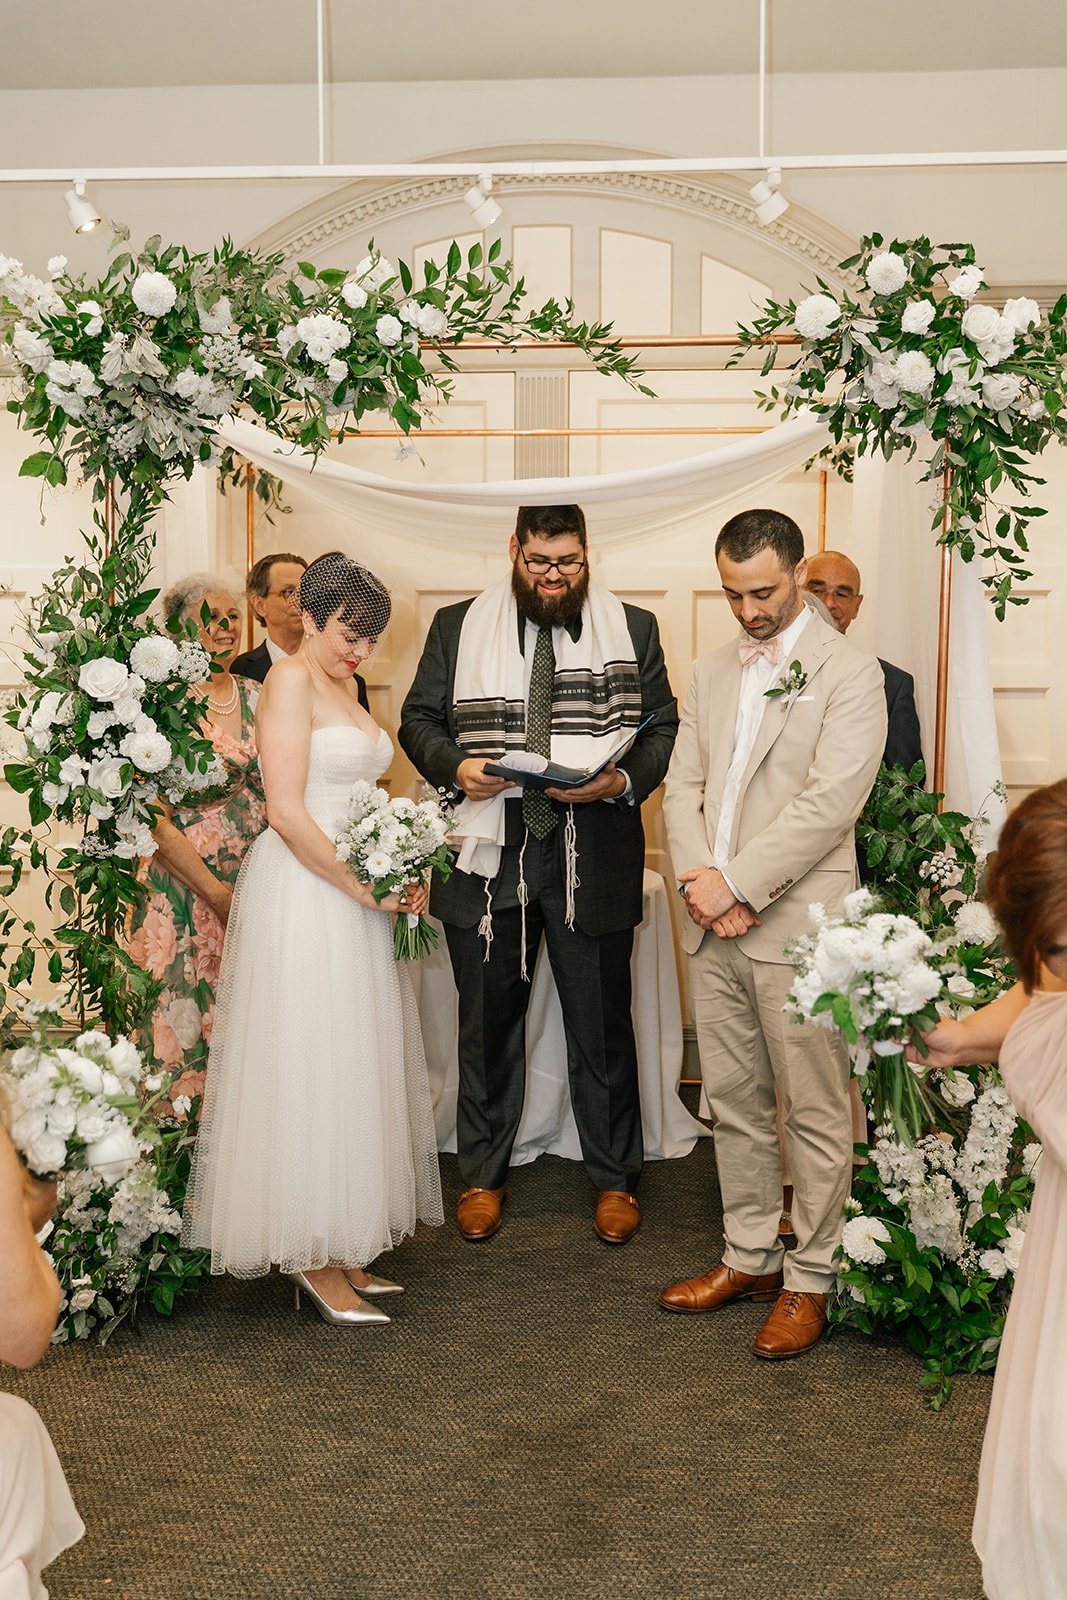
column 751, row 649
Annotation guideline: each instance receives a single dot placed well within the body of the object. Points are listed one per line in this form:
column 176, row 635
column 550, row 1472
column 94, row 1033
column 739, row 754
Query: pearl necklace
column 230, row 705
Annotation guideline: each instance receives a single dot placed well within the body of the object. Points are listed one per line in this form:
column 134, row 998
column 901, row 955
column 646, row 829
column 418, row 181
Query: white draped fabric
column 619, row 505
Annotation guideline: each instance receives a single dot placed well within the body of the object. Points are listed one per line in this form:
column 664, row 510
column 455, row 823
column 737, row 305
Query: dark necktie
column 538, row 812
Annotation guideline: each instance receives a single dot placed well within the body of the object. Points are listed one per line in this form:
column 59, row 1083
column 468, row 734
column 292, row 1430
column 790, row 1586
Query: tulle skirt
column 316, row 1144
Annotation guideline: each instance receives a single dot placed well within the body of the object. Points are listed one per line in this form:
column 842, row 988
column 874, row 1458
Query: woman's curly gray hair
column 184, row 598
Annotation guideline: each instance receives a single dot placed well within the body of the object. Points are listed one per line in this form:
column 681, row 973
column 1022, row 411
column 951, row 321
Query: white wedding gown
column 316, row 1143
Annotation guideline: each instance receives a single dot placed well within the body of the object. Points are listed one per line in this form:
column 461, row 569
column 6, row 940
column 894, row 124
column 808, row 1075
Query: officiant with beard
column 546, row 662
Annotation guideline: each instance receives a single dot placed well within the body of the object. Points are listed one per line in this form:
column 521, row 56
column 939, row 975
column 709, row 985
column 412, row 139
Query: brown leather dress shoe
column 478, row 1212
column 797, row 1322
column 717, row 1287
column 618, row 1216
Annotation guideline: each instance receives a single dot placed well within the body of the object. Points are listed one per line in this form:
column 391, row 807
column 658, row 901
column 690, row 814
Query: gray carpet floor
column 530, row 1427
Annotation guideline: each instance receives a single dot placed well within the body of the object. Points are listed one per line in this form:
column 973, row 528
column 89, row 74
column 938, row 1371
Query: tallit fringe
column 524, row 896
column 485, row 926
column 570, row 865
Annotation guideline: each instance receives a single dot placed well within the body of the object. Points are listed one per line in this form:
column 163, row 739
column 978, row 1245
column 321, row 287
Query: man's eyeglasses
column 566, row 566
column 290, row 595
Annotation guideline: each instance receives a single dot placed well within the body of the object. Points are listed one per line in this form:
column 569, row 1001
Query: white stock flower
column 816, row 315
column 1031, row 1157
column 1000, row 390
column 374, row 272
column 1022, row 313
column 917, row 316
column 388, row 331
column 153, row 293
column 967, row 282
column 975, row 923
column 154, row 658
column 993, row 1262
column 103, row 679
column 94, row 312
column 862, row 1239
column 914, row 372
column 886, row 273
column 353, row 294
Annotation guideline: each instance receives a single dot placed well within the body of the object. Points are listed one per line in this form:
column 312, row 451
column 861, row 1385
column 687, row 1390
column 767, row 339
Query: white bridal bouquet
column 77, row 1107
column 388, row 843
column 868, row 974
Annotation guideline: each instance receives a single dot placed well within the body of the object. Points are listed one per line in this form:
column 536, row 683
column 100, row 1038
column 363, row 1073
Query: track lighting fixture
column 83, row 215
column 483, row 208
column 769, row 202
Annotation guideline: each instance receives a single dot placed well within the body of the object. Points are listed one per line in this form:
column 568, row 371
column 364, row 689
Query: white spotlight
column 769, row 203
column 83, row 215
column 483, row 209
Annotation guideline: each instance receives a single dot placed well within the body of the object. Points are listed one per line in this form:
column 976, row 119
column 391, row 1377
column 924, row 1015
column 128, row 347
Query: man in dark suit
column 271, row 587
column 835, row 580
column 547, row 663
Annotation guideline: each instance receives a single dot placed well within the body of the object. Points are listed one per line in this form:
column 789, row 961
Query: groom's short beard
column 558, row 612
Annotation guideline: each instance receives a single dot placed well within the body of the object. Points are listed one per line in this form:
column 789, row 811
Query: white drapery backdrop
column 891, row 542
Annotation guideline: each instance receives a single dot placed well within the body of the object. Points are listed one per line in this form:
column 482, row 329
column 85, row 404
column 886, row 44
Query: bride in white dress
column 316, row 1149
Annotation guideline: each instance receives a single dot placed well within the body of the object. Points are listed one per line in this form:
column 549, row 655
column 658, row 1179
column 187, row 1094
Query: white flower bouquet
column 388, row 843
column 908, row 355
column 79, row 1106
column 869, row 973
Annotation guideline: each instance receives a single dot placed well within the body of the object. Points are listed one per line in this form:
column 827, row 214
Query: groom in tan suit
column 780, row 741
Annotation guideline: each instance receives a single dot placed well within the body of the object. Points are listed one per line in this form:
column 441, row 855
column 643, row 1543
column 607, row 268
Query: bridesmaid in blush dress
column 1020, row 1527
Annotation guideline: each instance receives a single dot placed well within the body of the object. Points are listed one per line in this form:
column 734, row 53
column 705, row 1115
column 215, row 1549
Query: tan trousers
column 749, row 1046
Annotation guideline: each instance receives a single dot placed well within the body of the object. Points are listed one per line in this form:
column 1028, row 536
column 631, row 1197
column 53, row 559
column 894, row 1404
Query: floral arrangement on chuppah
column 913, row 356
column 938, row 1212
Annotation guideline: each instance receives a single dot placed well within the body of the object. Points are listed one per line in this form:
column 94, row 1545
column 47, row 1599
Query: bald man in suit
column 781, row 737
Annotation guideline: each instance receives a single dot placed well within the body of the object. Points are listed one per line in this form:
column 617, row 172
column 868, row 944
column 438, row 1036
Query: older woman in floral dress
column 200, row 844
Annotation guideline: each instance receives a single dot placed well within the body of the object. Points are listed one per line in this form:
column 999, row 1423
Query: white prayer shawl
column 596, row 697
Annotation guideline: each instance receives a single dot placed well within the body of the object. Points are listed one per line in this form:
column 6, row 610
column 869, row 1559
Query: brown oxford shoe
column 797, row 1322
column 478, row 1212
column 618, row 1216
column 717, row 1287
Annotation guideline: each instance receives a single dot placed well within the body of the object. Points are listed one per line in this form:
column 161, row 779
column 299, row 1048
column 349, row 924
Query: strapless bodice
column 340, row 756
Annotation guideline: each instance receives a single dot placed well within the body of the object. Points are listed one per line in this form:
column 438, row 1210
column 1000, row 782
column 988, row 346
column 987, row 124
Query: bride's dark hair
column 336, row 586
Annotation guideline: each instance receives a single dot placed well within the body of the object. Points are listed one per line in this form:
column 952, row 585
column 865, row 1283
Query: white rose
column 886, row 273
column 378, row 864
column 967, row 282
column 56, row 265
column 993, row 1262
column 125, row 1060
column 1013, row 1246
column 219, row 320
column 287, row 337
column 374, row 271
column 92, row 1124
column 103, row 678
column 98, row 724
column 112, row 1156
column 917, row 316
column 914, row 372
column 31, row 349
column 389, row 331
column 94, row 311
column 1022, row 314
column 126, row 710
column 980, row 322
column 319, row 349
column 353, row 294
column 957, row 1089
column 408, row 311
column 153, row 293
column 815, row 315
column 46, row 1153
column 82, row 1299
column 1000, row 390
column 432, row 322
column 106, row 777
column 337, row 371
column 154, row 658
column 325, row 332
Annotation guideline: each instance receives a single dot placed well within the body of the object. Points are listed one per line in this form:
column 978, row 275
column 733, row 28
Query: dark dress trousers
column 257, row 663
column 903, row 744
column 590, row 962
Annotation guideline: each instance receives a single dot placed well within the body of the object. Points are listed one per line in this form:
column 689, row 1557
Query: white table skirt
column 547, row 1120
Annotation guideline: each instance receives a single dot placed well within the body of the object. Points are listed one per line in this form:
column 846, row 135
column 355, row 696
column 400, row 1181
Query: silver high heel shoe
column 328, row 1313
column 376, row 1286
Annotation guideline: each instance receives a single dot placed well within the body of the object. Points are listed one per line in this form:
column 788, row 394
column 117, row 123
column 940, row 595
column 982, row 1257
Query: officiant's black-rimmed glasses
column 567, row 566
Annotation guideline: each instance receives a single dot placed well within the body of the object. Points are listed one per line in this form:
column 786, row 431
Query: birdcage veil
column 336, row 586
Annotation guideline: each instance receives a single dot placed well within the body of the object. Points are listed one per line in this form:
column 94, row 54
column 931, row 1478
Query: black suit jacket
column 257, row 663
column 903, row 744
column 610, row 838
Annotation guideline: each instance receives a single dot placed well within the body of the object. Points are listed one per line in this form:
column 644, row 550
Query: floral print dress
column 176, row 936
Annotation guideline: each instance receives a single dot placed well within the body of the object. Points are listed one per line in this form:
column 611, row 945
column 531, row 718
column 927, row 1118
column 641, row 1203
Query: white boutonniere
column 788, row 687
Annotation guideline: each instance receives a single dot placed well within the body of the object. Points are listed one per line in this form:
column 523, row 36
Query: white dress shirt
column 275, row 651
column 752, row 704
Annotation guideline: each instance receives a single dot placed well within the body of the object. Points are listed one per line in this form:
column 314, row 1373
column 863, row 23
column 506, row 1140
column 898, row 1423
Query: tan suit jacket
column 810, row 772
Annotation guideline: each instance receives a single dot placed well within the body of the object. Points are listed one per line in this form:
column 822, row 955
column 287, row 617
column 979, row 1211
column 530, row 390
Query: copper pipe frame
column 944, row 628
column 250, row 540
column 547, row 433
column 823, row 476
column 652, row 341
